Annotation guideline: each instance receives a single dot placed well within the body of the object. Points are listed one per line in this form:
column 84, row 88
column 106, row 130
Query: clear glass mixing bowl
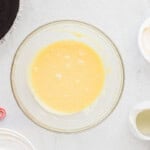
column 72, row 30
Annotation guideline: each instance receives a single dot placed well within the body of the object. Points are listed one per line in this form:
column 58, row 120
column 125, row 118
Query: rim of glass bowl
column 57, row 129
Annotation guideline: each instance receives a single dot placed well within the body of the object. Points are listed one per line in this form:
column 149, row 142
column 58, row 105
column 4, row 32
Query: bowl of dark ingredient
column 8, row 13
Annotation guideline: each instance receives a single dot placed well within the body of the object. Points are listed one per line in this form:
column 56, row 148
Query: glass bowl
column 68, row 30
column 11, row 140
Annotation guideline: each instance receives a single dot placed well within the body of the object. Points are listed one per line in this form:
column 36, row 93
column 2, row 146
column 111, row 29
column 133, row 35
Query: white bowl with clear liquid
column 138, row 109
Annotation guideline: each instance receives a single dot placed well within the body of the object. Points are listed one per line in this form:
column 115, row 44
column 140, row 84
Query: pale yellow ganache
column 66, row 76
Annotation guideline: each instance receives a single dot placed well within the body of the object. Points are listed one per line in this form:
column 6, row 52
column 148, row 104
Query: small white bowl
column 132, row 119
column 143, row 26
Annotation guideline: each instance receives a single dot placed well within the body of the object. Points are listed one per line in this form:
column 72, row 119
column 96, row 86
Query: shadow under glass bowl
column 71, row 30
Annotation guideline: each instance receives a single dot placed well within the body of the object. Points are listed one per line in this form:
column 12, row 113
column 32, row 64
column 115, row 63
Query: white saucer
column 10, row 140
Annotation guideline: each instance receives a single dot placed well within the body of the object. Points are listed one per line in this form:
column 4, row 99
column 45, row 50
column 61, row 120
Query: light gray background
column 119, row 19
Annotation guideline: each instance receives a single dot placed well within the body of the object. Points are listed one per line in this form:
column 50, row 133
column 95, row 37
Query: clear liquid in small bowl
column 143, row 122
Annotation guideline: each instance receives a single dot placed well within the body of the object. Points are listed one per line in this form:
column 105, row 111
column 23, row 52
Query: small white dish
column 133, row 120
column 144, row 26
column 11, row 140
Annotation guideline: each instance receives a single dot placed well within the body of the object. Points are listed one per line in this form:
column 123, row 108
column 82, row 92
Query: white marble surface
column 121, row 21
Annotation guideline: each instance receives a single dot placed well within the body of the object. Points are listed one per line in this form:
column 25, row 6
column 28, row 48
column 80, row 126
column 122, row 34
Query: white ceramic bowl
column 132, row 119
column 63, row 30
column 143, row 26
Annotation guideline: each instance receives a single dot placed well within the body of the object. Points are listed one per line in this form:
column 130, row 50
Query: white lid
column 10, row 140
